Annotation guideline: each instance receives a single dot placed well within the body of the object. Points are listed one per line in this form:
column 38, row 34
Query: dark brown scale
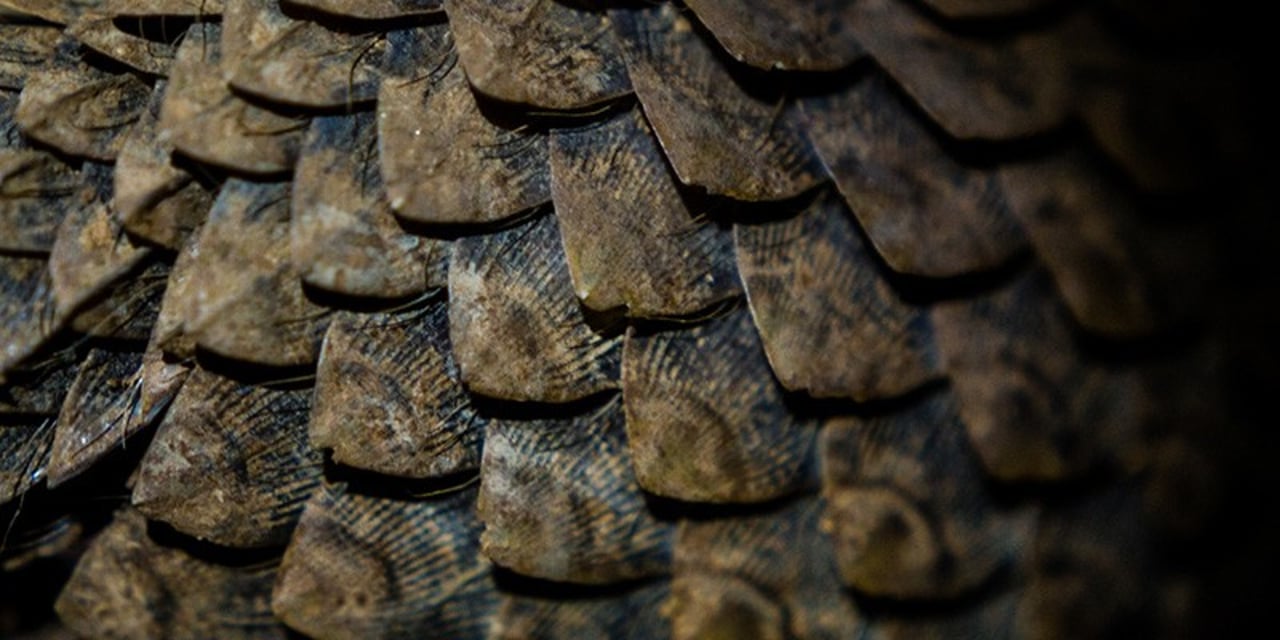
column 128, row 585
column 548, row 54
column 247, row 302
column 60, row 13
column 973, row 87
column 203, row 119
column 634, row 614
column 1119, row 275
column 769, row 575
column 706, row 419
column 80, row 109
column 372, row 567
column 985, row 9
column 36, row 191
column 989, row 619
column 97, row 414
column 230, row 462
column 741, row 141
column 631, row 234
column 1034, row 407
column 518, row 331
column 388, row 395
column 343, row 235
column 443, row 160
column 152, row 197
column 560, row 502
column 815, row 36
column 830, row 323
column 909, row 508
column 170, row 334
column 925, row 212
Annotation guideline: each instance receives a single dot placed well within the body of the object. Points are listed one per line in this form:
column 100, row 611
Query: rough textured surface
column 877, row 319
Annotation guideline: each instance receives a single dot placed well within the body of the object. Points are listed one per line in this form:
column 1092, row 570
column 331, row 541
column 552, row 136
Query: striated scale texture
column 372, row 567
column 342, row 233
column 907, row 505
column 248, row 301
column 830, row 323
column 723, row 128
column 764, row 575
column 544, row 53
column 466, row 167
column 388, row 397
column 814, row 36
column 1034, row 408
column 559, row 501
column 925, row 212
column 128, row 585
column 516, row 328
column 630, row 235
column 230, row 462
column 512, row 319
column 706, row 419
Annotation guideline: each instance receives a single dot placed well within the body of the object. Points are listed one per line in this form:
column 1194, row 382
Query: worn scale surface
column 564, row 319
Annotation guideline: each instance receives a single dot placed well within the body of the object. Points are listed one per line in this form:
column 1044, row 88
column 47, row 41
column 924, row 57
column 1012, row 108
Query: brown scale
column 634, row 614
column 153, row 198
column 981, row 9
column 24, row 50
column 343, row 235
column 830, row 323
column 202, row 118
column 27, row 309
column 36, row 191
column 769, row 575
column 908, row 508
column 98, row 32
column 388, row 397
column 1119, row 274
column 230, row 462
column 781, row 34
column 79, row 109
column 559, row 501
column 373, row 9
column 60, row 13
column 631, row 233
column 517, row 329
column 97, row 412
column 746, row 142
column 1034, row 407
column 170, row 334
column 443, row 159
column 24, row 455
column 974, row 87
column 248, row 302
column 89, row 267
column 202, row 9
column 127, row 585
column 547, row 54
column 373, row 567
column 300, row 63
column 706, row 419
column 926, row 212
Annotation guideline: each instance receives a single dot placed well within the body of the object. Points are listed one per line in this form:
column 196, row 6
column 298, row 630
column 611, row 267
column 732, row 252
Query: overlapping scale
column 543, row 318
